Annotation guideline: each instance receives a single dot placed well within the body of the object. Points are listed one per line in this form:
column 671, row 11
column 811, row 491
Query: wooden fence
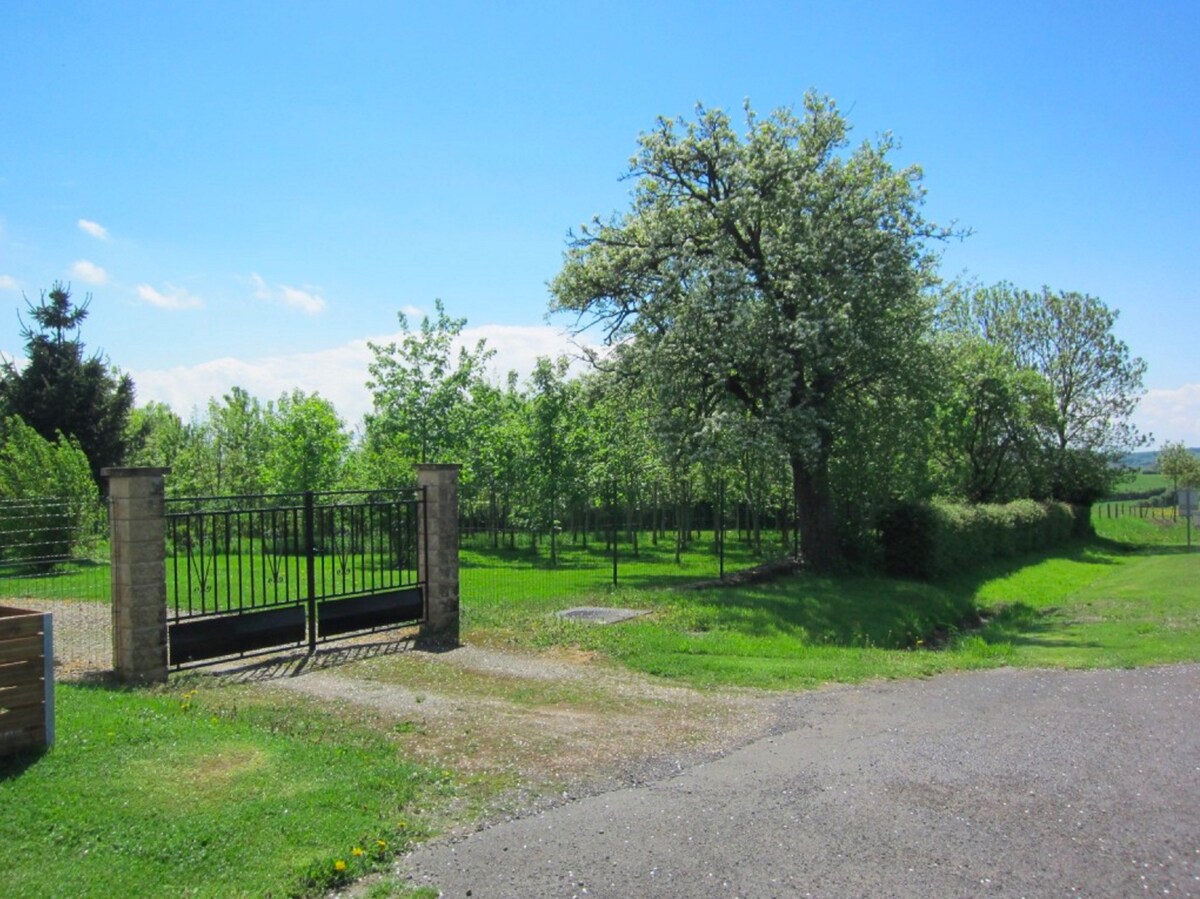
column 26, row 680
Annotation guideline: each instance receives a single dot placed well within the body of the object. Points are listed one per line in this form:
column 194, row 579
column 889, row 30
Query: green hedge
column 932, row 539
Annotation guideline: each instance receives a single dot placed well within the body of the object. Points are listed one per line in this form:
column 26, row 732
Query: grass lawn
column 206, row 791
column 497, row 582
column 1131, row 596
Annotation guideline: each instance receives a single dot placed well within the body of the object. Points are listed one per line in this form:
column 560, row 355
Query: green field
column 1142, row 481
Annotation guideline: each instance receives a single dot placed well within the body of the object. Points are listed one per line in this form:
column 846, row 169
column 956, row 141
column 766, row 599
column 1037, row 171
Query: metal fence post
column 721, row 531
column 438, row 551
column 137, row 528
column 613, row 526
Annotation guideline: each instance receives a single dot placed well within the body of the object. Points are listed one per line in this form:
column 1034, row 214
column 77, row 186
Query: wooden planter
column 26, row 680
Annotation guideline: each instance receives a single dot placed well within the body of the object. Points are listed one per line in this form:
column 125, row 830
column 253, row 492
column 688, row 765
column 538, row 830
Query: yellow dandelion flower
column 382, row 844
column 339, row 865
column 356, row 851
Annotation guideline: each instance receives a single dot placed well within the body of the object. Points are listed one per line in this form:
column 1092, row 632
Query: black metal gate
column 252, row 574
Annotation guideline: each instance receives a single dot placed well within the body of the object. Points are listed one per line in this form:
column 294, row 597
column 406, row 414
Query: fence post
column 437, row 549
column 137, row 531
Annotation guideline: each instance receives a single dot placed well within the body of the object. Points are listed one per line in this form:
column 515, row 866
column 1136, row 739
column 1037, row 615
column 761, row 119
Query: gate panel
column 343, row 616
column 251, row 574
column 205, row 638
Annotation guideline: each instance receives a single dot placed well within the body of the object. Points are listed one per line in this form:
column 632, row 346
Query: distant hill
column 1147, row 458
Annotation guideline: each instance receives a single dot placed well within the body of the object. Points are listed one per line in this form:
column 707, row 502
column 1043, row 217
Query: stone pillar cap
column 121, row 472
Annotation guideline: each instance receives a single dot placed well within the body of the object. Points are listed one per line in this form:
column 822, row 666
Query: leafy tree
column 307, row 445
column 155, row 436
column 49, row 493
column 241, row 428
column 60, row 389
column 224, row 452
column 553, row 433
column 988, row 420
column 1180, row 464
column 781, row 276
column 498, row 447
column 421, row 394
column 1094, row 383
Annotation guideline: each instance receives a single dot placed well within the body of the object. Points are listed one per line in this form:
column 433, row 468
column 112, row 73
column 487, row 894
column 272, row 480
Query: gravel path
column 82, row 634
column 999, row 783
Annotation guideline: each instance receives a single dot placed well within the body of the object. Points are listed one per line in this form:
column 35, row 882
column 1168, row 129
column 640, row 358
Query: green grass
column 1130, row 596
column 212, row 792
column 1141, row 481
column 495, row 582
column 81, row 579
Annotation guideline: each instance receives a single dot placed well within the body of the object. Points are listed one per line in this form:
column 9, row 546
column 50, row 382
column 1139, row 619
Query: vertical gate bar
column 410, row 542
column 310, row 559
column 190, row 549
column 228, row 583
column 252, row 551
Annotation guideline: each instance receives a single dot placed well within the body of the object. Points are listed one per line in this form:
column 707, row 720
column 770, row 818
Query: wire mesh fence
column 54, row 557
column 542, row 570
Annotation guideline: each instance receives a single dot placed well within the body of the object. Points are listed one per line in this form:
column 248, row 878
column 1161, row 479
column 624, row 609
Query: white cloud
column 518, row 347
column 8, row 282
column 88, row 271
column 1171, row 414
column 307, row 300
column 339, row 374
column 95, row 229
column 413, row 311
column 174, row 298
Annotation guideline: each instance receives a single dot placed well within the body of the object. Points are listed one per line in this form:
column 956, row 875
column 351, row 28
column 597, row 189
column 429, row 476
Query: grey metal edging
column 48, row 660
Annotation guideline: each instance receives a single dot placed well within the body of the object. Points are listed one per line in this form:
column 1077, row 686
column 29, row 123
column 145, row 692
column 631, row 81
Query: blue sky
column 251, row 191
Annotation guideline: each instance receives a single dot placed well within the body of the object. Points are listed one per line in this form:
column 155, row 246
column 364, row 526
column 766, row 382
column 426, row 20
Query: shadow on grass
column 882, row 612
column 652, row 567
column 14, row 765
column 856, row 611
column 1019, row 624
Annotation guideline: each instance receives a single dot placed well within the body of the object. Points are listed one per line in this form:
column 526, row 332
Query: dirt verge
column 543, row 728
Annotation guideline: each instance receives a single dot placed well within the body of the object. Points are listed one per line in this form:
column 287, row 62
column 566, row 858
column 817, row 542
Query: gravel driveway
column 998, row 783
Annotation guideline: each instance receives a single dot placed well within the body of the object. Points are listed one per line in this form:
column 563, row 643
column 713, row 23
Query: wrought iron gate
column 251, row 574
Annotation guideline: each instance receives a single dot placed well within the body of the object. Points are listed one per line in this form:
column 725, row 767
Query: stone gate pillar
column 437, row 548
column 137, row 529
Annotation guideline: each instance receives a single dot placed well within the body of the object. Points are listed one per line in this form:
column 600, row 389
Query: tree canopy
column 61, row 389
column 1092, row 382
column 777, row 273
column 421, row 390
column 1180, row 464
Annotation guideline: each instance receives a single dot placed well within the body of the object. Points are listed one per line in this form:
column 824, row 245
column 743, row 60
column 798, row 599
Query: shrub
column 932, row 539
column 47, row 496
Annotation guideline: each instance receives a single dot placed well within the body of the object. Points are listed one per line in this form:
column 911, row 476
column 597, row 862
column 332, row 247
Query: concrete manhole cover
column 598, row 615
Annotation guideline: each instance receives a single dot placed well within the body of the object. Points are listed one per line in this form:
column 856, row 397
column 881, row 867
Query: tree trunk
column 815, row 519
